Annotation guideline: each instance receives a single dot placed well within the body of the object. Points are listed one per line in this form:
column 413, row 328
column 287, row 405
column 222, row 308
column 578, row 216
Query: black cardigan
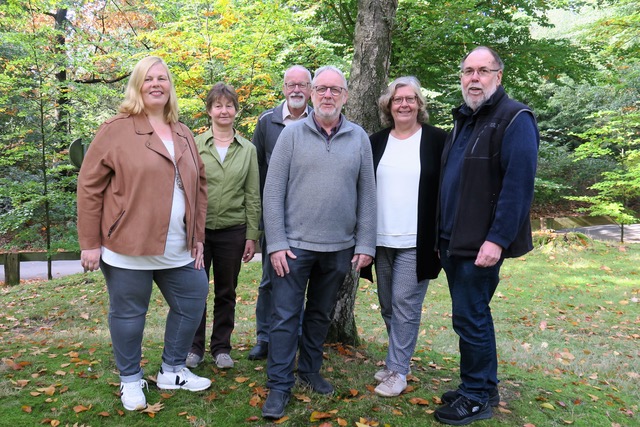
column 431, row 145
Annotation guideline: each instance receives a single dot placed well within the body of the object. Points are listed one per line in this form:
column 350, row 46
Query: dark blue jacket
column 488, row 194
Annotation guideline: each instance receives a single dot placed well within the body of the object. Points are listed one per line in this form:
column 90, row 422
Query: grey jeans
column 184, row 288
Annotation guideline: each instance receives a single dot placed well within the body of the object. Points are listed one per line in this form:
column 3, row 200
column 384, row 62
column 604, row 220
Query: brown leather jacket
column 125, row 187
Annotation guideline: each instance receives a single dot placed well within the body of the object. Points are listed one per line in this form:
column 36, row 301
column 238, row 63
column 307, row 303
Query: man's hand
column 90, row 259
column 279, row 261
column 361, row 260
column 488, row 255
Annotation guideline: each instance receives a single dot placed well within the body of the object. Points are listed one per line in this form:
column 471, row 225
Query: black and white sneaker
column 183, row 379
column 463, row 411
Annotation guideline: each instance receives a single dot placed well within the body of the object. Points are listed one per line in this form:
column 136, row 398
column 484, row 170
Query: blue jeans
column 263, row 304
column 264, row 307
column 471, row 290
column 184, row 288
column 401, row 296
column 319, row 275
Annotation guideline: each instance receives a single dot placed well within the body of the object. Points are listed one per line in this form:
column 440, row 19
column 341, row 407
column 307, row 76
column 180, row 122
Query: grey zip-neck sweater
column 320, row 194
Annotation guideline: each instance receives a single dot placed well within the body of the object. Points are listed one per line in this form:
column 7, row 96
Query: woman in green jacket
column 233, row 215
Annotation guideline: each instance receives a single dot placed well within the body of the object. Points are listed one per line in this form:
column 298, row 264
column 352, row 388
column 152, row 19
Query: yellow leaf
column 315, row 416
column 548, row 405
column 593, row 398
column 281, row 420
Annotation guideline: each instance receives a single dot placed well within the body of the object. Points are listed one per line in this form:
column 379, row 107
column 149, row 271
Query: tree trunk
column 370, row 66
column 343, row 323
column 369, row 74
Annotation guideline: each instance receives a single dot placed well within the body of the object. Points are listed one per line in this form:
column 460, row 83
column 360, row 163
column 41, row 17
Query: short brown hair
column 219, row 91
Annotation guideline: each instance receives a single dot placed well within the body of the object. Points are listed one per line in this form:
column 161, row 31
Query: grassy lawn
column 567, row 320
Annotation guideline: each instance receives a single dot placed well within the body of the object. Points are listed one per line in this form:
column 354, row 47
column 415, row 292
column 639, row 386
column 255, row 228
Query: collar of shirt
column 288, row 118
column 323, row 132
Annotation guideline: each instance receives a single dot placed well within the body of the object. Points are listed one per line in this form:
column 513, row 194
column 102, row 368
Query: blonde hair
column 384, row 102
column 133, row 102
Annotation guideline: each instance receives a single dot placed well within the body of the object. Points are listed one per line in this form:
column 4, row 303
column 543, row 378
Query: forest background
column 64, row 65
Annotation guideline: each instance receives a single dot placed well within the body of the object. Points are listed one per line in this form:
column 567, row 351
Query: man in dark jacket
column 297, row 90
column 488, row 171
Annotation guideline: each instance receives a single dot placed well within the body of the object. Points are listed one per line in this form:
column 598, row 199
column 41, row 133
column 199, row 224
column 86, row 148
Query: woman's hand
column 90, row 259
column 249, row 250
column 198, row 254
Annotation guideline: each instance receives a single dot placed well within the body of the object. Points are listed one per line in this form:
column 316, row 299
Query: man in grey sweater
column 320, row 220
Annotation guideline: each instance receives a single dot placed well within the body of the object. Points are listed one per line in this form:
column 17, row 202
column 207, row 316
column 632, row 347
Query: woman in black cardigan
column 406, row 158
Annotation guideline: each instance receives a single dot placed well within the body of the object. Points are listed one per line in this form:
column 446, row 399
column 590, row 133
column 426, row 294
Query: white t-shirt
column 397, row 180
column 176, row 253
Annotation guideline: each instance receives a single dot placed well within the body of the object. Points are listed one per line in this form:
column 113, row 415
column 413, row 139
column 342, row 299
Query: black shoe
column 451, row 395
column 316, row 383
column 259, row 351
column 463, row 411
column 274, row 405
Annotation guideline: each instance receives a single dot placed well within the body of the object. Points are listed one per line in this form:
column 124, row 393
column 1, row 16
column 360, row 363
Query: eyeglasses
column 397, row 100
column 292, row 86
column 335, row 90
column 482, row 72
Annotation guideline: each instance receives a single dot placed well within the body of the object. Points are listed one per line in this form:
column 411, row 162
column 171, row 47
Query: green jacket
column 233, row 186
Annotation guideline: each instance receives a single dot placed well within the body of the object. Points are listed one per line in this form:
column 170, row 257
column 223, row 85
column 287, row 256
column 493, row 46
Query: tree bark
column 370, row 65
column 369, row 75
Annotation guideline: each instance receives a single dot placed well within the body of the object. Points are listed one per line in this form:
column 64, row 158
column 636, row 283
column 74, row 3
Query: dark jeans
column 185, row 290
column 223, row 250
column 325, row 273
column 264, row 306
column 471, row 290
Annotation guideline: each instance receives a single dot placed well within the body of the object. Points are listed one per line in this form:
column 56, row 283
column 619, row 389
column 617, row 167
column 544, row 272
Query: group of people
column 157, row 205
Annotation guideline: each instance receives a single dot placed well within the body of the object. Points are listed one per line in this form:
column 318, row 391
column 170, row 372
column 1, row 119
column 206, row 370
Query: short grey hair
column 384, row 102
column 296, row 67
column 329, row 68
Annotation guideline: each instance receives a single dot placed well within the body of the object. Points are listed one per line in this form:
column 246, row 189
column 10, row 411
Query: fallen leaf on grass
column 81, row 408
column 353, row 392
column 210, row 397
column 315, row 416
column 153, row 409
column 242, row 379
column 548, row 405
column 49, row 391
column 418, row 401
column 253, row 418
column 342, row 422
column 593, row 398
column 26, row 409
column 281, row 420
column 104, row 414
column 503, row 410
column 302, row 398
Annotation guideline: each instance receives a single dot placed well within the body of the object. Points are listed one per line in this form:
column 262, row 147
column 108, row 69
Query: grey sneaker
column 382, row 375
column 224, row 361
column 193, row 360
column 132, row 395
column 392, row 386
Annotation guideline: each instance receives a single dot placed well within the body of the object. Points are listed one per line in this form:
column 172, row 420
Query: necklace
column 224, row 140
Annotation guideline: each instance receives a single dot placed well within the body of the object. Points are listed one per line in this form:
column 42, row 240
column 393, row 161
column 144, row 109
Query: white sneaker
column 392, row 386
column 132, row 395
column 382, row 375
column 193, row 360
column 184, row 379
column 224, row 361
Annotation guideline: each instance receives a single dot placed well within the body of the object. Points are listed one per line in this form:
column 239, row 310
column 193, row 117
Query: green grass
column 568, row 328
